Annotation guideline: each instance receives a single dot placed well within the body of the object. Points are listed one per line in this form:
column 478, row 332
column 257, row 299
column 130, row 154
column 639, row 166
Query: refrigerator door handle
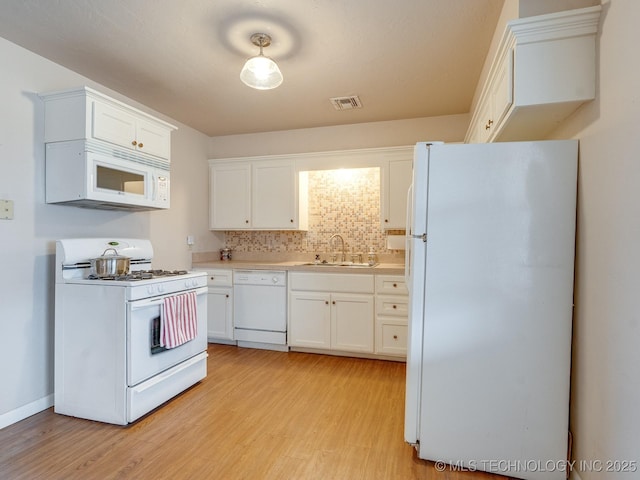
column 423, row 237
column 407, row 240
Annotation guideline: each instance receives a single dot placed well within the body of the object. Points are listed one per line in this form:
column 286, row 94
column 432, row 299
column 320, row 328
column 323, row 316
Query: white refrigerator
column 490, row 254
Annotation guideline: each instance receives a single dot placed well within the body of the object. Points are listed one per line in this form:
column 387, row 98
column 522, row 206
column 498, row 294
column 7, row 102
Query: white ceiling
column 403, row 58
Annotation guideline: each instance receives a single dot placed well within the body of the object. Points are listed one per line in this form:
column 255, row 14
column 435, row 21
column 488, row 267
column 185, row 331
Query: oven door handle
column 150, row 302
column 146, row 303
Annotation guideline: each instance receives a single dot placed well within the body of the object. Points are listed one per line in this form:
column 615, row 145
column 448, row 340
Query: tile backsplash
column 346, row 202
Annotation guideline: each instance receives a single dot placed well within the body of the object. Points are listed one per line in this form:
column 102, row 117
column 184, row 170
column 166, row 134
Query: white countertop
column 380, row 269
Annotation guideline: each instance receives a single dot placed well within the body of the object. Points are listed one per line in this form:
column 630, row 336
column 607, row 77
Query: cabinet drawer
column 219, row 278
column 391, row 284
column 391, row 336
column 395, row 306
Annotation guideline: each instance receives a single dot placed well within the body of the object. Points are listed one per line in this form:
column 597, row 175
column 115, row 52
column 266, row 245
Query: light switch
column 6, row 209
column 190, row 240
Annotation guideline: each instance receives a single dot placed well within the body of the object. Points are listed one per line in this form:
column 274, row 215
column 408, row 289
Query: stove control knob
column 160, row 289
column 150, row 289
column 275, row 280
column 195, row 282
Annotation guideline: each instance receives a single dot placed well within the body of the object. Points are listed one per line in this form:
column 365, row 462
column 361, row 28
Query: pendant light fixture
column 261, row 72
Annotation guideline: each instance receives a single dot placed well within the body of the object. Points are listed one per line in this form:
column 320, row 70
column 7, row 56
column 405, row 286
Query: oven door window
column 156, row 346
column 145, row 356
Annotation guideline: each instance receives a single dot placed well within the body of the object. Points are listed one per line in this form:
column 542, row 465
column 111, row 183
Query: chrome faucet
column 335, row 235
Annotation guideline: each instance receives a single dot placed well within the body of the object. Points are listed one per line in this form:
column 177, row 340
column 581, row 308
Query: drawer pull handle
column 334, row 302
column 326, row 302
column 395, row 337
column 395, row 285
column 395, row 306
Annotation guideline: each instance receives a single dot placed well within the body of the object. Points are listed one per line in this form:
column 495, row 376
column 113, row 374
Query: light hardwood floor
column 258, row 415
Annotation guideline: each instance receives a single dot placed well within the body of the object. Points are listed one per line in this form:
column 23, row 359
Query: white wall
column 189, row 212
column 605, row 405
column 27, row 243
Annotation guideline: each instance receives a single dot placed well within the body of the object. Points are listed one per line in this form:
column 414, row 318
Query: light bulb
column 261, row 72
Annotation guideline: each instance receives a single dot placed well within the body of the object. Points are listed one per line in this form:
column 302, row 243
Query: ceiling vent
column 346, row 103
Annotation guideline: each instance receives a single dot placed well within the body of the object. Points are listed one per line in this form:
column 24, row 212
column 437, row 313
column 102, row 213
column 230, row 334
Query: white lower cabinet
column 331, row 311
column 392, row 312
column 220, row 306
column 310, row 320
column 352, row 322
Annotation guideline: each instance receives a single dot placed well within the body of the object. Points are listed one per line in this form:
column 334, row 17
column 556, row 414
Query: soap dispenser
column 371, row 257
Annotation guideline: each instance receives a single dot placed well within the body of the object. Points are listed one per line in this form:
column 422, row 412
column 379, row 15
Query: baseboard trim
column 25, row 411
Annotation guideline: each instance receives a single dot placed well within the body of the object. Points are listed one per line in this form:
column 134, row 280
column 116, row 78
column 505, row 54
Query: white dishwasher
column 260, row 309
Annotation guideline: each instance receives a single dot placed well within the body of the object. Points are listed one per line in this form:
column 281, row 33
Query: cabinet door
column 274, row 194
column 153, row 139
column 395, row 197
column 113, row 125
column 230, row 197
column 482, row 128
column 352, row 322
column 502, row 90
column 220, row 314
column 391, row 336
column 309, row 320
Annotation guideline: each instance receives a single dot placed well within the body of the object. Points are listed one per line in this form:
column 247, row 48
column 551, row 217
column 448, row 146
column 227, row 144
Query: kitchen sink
column 338, row 264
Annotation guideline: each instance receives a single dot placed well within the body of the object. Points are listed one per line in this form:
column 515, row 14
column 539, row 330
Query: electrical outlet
column 190, row 240
column 6, row 209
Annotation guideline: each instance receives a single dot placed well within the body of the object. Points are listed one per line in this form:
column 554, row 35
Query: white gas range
column 113, row 358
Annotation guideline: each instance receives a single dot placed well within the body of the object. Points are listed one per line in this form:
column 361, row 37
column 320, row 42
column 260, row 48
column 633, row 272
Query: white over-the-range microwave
column 96, row 175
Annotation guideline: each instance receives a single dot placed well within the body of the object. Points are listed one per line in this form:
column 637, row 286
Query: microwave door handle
column 153, row 181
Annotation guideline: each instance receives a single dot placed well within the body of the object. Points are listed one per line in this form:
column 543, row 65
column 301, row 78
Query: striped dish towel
column 179, row 320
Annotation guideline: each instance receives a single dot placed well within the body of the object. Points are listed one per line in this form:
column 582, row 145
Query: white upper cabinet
column 230, row 196
column 273, row 202
column 395, row 181
column 496, row 103
column 543, row 70
column 271, row 192
column 84, row 113
column 118, row 126
column 256, row 195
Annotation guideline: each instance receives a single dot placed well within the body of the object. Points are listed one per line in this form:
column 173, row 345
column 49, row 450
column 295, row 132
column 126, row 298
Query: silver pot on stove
column 111, row 264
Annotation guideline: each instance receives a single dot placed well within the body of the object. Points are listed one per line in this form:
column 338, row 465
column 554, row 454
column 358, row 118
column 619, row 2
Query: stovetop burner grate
column 139, row 275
